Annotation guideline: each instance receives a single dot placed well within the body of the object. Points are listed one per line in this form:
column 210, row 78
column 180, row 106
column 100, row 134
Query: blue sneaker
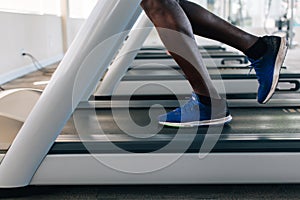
column 268, row 67
column 194, row 113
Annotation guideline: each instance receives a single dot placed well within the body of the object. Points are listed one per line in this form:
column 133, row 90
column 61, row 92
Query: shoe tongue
column 195, row 96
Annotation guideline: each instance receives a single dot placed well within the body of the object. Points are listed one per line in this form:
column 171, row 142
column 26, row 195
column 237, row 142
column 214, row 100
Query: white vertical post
column 121, row 63
column 55, row 106
column 64, row 20
column 291, row 25
column 126, row 55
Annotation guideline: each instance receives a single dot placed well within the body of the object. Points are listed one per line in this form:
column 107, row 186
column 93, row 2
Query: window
column 81, row 8
column 40, row 7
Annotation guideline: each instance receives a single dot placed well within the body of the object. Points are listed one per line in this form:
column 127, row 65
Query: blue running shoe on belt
column 268, row 67
column 194, row 113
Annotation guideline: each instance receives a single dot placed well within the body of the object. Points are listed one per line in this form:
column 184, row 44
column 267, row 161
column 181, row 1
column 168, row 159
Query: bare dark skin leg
column 176, row 24
column 176, row 33
column 208, row 25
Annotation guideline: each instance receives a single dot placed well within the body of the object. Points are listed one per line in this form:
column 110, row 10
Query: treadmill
column 216, row 58
column 260, row 145
column 104, row 146
column 161, row 54
column 235, row 83
column 201, row 47
column 221, row 62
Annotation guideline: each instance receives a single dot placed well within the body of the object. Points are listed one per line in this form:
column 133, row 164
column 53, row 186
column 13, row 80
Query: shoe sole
column 278, row 64
column 213, row 122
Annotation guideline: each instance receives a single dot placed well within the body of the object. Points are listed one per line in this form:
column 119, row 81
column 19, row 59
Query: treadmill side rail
column 1, row 157
column 236, row 168
column 70, row 82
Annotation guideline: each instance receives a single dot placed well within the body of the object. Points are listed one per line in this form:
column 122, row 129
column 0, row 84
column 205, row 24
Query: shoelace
column 189, row 106
column 192, row 105
column 254, row 64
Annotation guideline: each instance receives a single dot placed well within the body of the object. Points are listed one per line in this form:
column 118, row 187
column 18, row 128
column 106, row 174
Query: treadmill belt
column 245, row 120
column 167, row 74
column 204, row 47
column 252, row 130
column 164, row 55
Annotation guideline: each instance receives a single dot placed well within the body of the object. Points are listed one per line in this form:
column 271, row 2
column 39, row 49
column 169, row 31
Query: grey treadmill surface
column 252, row 130
column 221, row 62
column 177, row 74
column 164, row 55
column 204, row 47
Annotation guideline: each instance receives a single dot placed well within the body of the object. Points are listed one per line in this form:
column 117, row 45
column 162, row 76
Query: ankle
column 257, row 50
column 209, row 101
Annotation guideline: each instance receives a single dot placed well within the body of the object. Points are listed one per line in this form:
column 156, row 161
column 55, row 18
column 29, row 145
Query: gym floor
column 284, row 191
column 182, row 192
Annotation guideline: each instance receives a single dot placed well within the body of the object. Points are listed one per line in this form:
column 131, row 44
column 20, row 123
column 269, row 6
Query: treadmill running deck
column 252, row 130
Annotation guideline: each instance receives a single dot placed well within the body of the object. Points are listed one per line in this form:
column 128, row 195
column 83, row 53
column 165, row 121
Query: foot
column 194, row 113
column 268, row 67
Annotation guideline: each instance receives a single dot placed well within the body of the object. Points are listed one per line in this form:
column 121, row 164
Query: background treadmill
column 217, row 54
column 237, row 83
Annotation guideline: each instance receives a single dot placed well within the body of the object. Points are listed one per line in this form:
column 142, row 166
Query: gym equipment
column 245, row 148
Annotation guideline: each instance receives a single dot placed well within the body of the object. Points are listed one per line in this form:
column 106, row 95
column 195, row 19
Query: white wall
column 73, row 26
column 153, row 40
column 40, row 35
